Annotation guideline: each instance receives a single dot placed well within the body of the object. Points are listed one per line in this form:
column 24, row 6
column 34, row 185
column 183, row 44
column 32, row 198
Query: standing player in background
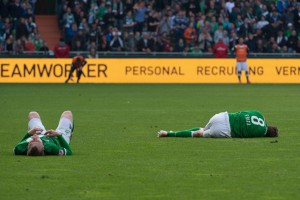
column 77, row 64
column 244, row 124
column 241, row 51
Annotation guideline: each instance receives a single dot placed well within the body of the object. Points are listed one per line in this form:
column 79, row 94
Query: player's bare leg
column 70, row 75
column 32, row 115
column 239, row 76
column 198, row 133
column 68, row 115
column 34, row 121
column 66, row 125
column 79, row 73
column 247, row 77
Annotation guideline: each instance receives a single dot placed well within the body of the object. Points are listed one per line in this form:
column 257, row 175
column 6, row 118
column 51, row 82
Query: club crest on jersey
column 61, row 152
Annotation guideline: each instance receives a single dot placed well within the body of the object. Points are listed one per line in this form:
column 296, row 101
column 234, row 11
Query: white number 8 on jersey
column 257, row 121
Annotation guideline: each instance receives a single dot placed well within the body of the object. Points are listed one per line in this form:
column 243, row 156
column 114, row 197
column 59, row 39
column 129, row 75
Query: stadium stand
column 48, row 28
column 182, row 26
column 268, row 26
column 18, row 30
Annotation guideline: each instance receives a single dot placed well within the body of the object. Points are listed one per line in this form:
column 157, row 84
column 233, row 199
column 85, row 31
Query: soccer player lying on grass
column 39, row 142
column 244, row 124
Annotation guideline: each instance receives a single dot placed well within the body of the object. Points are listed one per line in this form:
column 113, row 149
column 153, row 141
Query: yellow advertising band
column 145, row 70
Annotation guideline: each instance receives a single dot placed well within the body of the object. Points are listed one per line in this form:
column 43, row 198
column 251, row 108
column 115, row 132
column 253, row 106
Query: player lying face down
column 244, row 124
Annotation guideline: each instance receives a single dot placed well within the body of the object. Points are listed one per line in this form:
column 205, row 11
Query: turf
column 118, row 156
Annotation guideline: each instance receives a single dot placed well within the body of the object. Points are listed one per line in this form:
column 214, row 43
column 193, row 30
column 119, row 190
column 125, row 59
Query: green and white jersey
column 52, row 145
column 247, row 124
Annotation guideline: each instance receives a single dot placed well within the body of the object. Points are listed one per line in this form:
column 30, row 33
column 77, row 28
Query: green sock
column 184, row 133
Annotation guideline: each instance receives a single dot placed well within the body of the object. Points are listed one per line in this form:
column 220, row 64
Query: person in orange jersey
column 241, row 51
column 77, row 64
column 190, row 34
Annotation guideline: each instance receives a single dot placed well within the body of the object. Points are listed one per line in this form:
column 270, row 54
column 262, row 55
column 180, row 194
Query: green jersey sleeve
column 22, row 147
column 65, row 147
column 59, row 147
column 247, row 124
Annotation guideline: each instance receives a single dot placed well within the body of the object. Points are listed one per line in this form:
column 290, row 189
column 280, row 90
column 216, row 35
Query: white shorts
column 218, row 126
column 64, row 127
column 241, row 66
column 36, row 123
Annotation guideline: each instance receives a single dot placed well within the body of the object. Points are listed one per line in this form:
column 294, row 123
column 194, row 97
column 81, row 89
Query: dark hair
column 272, row 131
column 34, row 151
column 78, row 59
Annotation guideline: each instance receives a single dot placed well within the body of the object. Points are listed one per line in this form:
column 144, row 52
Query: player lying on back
column 244, row 124
column 39, row 142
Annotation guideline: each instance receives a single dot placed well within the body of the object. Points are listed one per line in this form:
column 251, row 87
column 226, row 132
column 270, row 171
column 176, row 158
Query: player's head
column 272, row 131
column 241, row 40
column 61, row 42
column 35, row 147
column 78, row 60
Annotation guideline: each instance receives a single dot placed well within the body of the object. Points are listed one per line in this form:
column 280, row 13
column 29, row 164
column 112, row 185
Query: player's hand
column 35, row 131
column 35, row 138
column 51, row 133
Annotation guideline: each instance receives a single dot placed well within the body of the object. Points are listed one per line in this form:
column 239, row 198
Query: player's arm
column 65, row 146
column 84, row 63
column 64, row 149
column 27, row 135
column 22, row 147
column 53, row 149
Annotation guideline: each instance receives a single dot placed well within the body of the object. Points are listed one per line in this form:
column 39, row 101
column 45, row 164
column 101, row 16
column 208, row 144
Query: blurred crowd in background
column 267, row 26
column 180, row 25
column 18, row 30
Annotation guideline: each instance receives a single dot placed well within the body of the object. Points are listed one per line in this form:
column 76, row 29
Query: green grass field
column 118, row 156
